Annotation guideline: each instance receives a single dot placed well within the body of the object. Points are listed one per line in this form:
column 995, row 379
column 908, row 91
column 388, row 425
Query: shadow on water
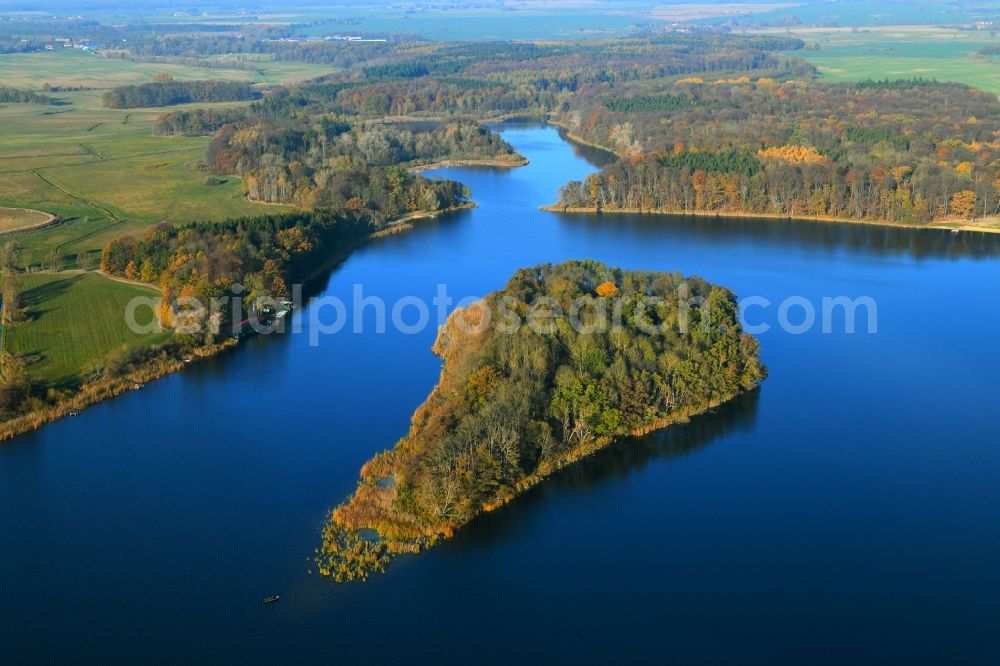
column 596, row 156
column 320, row 282
column 809, row 235
column 616, row 462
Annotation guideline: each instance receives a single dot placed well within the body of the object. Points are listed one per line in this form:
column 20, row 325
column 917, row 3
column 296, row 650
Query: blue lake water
column 846, row 510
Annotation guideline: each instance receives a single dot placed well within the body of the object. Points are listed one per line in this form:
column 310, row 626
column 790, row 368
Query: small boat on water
column 271, row 599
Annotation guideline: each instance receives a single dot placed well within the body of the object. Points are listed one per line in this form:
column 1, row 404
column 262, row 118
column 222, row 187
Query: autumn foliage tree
column 963, row 204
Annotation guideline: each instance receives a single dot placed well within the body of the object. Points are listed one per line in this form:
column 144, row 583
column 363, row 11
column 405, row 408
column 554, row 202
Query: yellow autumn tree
column 963, row 204
column 793, row 154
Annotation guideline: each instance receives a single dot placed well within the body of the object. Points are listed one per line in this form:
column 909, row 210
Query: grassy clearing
column 902, row 52
column 74, row 321
column 986, row 224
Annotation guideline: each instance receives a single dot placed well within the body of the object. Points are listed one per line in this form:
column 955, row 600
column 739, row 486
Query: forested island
column 530, row 390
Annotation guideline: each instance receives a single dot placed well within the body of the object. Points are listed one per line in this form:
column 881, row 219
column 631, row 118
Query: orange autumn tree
column 963, row 204
column 606, row 289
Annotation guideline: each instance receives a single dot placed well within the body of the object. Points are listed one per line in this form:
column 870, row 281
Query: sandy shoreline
column 946, row 225
column 443, row 164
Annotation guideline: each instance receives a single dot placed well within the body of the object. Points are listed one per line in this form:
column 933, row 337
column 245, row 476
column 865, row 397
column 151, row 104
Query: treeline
column 430, row 96
column 714, row 52
column 895, row 84
column 258, row 41
column 18, row 96
column 779, row 188
column 913, row 151
column 169, row 92
column 493, row 79
column 518, row 399
column 196, row 122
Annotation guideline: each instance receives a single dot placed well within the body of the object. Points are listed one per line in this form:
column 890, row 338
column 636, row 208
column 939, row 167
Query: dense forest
column 167, row 92
column 702, row 123
column 328, row 164
column 265, row 254
column 518, row 399
column 491, row 79
column 910, row 151
column 307, row 144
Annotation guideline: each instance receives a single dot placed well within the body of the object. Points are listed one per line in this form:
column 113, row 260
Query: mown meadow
column 72, row 323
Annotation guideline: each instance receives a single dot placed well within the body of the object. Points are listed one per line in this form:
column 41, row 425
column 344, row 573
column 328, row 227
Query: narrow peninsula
column 563, row 361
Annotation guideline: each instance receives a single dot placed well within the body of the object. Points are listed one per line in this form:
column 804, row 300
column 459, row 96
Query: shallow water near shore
column 846, row 508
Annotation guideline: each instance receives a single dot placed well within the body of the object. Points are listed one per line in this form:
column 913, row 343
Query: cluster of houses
column 68, row 43
column 265, row 319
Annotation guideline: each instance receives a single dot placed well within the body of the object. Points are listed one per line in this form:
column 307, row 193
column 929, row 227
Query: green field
column 74, row 321
column 102, row 170
column 902, row 52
